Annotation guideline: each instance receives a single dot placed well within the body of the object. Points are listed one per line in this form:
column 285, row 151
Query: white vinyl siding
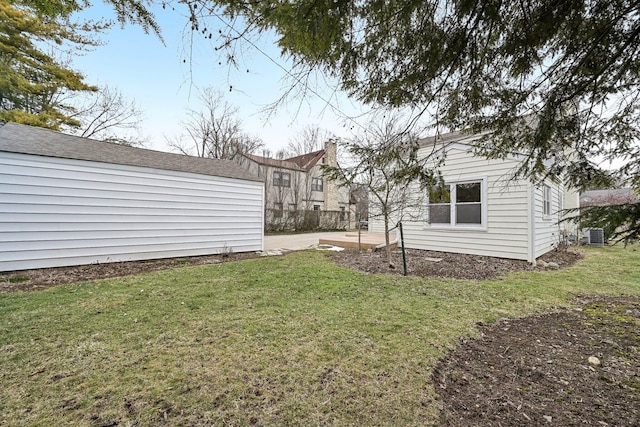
column 59, row 212
column 547, row 227
column 505, row 227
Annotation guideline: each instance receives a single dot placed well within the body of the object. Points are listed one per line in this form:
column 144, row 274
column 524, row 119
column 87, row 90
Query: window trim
column 547, row 202
column 452, row 203
column 280, row 181
column 315, row 181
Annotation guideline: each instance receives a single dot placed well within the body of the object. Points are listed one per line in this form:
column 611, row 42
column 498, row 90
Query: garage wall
column 59, row 212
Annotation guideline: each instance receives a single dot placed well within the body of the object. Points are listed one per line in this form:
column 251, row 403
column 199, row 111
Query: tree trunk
column 387, row 247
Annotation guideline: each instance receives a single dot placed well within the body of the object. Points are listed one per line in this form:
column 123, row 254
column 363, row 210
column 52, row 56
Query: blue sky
column 155, row 76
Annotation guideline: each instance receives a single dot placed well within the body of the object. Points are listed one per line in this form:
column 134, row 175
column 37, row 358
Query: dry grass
column 274, row 341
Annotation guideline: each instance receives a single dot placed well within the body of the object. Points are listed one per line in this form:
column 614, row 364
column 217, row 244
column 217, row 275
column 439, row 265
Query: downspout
column 532, row 215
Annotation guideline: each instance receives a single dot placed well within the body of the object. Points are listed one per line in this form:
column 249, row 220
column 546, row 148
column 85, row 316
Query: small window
column 281, row 179
column 456, row 204
column 277, row 207
column 342, row 213
column 316, row 207
column 292, row 206
column 316, row 184
column 546, row 201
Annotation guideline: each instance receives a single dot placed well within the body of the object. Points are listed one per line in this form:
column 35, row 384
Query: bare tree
column 309, row 139
column 379, row 164
column 214, row 130
column 107, row 115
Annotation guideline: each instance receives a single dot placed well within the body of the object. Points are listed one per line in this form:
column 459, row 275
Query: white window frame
column 547, row 202
column 452, row 189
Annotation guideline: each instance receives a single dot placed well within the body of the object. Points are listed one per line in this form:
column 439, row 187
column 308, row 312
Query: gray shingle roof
column 24, row 139
column 268, row 161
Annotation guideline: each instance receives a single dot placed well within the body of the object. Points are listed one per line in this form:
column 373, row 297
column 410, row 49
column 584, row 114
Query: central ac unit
column 594, row 236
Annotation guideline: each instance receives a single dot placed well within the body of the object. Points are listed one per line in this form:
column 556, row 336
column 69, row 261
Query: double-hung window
column 281, row 179
column 546, row 201
column 316, row 184
column 457, row 205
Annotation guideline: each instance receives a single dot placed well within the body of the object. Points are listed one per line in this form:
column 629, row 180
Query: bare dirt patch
column 577, row 367
column 449, row 265
column 45, row 277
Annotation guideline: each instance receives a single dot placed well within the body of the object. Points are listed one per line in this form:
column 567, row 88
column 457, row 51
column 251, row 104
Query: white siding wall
column 59, row 212
column 571, row 201
column 547, row 227
column 507, row 232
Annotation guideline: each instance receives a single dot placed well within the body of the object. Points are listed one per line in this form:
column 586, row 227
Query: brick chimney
column 330, row 187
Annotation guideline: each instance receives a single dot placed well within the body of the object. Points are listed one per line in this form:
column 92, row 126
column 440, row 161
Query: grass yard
column 293, row 340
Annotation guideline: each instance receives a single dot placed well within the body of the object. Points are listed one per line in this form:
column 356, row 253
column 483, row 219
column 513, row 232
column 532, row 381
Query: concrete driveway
column 297, row 242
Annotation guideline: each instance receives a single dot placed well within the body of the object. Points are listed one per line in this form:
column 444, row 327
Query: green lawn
column 291, row 340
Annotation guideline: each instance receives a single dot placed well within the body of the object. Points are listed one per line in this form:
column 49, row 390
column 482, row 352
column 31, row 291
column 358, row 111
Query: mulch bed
column 37, row 279
column 448, row 265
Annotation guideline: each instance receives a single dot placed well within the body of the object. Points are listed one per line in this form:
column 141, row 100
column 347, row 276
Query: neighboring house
column 608, row 197
column 617, row 196
column 66, row 200
column 480, row 210
column 360, row 202
column 297, row 193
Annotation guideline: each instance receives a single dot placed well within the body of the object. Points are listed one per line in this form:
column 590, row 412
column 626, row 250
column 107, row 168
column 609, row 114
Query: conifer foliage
column 38, row 40
column 34, row 84
column 555, row 82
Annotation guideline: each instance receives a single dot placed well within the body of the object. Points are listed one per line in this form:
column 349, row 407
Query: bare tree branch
column 214, row 130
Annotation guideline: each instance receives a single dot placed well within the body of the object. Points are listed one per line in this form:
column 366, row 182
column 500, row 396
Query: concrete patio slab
column 297, row 242
column 302, row 241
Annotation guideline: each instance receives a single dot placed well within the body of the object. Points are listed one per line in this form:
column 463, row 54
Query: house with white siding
column 480, row 210
column 66, row 200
